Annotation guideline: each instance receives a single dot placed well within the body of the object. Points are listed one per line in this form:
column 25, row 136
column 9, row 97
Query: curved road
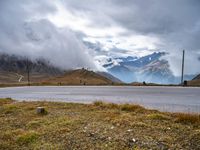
column 173, row 99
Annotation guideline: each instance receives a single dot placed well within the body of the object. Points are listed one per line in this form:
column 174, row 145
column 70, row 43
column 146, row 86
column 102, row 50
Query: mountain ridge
column 14, row 69
column 81, row 77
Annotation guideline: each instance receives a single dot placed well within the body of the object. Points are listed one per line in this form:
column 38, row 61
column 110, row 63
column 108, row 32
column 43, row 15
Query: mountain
column 13, row 69
column 150, row 68
column 81, row 77
column 127, row 68
column 110, row 77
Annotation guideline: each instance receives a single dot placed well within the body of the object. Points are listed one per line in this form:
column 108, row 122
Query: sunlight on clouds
column 134, row 45
column 64, row 18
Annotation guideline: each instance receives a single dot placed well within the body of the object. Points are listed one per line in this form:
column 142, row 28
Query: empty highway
column 172, row 99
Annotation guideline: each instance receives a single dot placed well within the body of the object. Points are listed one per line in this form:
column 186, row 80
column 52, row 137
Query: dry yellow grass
column 79, row 77
column 194, row 83
column 94, row 126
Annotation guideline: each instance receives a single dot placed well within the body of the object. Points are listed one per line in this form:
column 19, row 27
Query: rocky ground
column 94, row 126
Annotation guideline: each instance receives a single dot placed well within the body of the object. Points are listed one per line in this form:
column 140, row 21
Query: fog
column 26, row 32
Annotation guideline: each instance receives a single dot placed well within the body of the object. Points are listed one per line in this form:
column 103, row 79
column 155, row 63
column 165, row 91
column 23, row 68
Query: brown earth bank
column 94, row 126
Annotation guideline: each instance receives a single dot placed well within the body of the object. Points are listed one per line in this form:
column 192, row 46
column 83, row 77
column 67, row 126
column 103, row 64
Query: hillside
column 110, row 77
column 80, row 77
column 197, row 77
column 13, row 69
column 195, row 81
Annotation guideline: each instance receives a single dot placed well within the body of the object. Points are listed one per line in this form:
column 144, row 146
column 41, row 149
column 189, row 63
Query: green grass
column 158, row 116
column 94, row 126
column 27, row 138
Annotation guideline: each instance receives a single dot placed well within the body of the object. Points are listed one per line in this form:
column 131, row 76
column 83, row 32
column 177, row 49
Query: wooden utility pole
column 182, row 74
column 28, row 71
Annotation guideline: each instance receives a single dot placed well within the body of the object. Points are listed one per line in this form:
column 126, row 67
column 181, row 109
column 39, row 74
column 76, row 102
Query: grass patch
column 10, row 109
column 158, row 116
column 122, row 107
column 132, row 108
column 106, row 105
column 27, row 138
column 187, row 118
column 94, row 126
column 34, row 124
column 4, row 101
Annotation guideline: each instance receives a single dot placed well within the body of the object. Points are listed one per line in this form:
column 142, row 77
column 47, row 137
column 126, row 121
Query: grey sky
column 139, row 27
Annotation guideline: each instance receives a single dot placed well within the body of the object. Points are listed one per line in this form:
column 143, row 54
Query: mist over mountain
column 141, row 42
column 15, row 68
column 152, row 68
column 18, row 64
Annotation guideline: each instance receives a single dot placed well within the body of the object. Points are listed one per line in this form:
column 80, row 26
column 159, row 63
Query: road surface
column 173, row 99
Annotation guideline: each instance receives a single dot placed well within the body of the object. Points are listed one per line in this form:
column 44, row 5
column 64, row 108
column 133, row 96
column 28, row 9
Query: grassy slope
column 94, row 126
column 13, row 78
column 194, row 82
column 80, row 77
column 75, row 77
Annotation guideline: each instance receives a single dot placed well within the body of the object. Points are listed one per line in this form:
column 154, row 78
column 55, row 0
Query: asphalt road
column 172, row 99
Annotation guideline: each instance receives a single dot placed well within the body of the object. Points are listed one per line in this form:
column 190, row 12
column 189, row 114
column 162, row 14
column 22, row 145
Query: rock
column 134, row 140
column 41, row 110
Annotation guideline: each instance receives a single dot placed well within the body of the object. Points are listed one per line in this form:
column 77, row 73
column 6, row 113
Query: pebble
column 129, row 130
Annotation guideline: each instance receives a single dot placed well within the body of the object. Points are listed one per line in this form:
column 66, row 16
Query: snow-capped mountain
column 151, row 68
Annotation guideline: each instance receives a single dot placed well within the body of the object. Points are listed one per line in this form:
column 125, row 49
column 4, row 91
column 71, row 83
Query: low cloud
column 30, row 34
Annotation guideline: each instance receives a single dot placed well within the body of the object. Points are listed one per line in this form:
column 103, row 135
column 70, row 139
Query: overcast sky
column 56, row 30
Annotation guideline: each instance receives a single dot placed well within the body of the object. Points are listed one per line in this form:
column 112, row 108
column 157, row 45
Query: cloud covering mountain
column 25, row 30
column 56, row 30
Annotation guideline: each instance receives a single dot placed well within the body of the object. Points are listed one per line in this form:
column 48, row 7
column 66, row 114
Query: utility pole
column 183, row 61
column 28, row 71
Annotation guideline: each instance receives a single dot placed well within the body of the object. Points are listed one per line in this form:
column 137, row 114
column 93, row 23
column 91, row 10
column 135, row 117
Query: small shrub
column 113, row 106
column 98, row 103
column 106, row 105
column 131, row 108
